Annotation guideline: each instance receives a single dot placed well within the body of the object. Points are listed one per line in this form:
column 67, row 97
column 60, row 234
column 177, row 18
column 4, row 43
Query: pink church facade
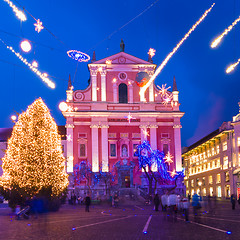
column 97, row 119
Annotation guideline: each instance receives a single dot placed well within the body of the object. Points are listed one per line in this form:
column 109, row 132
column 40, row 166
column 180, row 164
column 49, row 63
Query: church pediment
column 123, row 58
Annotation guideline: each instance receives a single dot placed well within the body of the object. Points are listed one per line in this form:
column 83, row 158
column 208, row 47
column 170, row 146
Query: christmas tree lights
column 34, row 159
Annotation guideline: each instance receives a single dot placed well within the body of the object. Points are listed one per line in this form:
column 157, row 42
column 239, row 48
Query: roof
column 124, row 58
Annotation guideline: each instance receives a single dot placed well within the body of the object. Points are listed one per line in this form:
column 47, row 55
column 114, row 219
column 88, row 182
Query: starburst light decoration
column 19, row 14
column 38, row 26
column 129, row 117
column 69, row 138
column 151, row 52
column 166, row 96
column 165, row 61
column 145, row 132
column 168, row 158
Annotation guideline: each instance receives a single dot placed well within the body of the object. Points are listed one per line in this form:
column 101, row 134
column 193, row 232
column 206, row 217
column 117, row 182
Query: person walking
column 172, row 203
column 185, row 206
column 87, row 203
column 156, row 201
column 196, row 206
column 164, row 202
column 233, row 201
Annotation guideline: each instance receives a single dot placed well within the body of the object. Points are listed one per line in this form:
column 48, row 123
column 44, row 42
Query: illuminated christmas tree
column 34, row 162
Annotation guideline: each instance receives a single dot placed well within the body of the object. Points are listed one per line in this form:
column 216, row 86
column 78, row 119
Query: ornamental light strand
column 159, row 69
column 31, row 67
column 232, row 66
column 217, row 40
column 19, row 14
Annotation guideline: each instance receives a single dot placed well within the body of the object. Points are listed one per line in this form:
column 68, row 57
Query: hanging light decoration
column 26, row 46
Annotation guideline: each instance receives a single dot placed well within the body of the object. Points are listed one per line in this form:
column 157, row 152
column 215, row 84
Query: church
column 107, row 121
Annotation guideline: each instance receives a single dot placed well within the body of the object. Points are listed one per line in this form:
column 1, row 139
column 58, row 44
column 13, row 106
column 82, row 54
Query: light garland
column 78, row 56
column 19, row 14
column 31, row 67
column 217, row 40
column 159, row 69
column 232, row 66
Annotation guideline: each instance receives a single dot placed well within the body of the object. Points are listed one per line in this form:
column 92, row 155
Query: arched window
column 123, row 93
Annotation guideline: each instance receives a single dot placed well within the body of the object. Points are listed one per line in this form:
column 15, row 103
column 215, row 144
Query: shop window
column 211, row 191
column 227, row 190
column 227, row 177
column 192, row 183
column 219, row 191
column 218, row 178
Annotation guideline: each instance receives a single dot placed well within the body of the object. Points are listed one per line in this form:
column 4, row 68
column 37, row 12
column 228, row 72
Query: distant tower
column 175, row 91
column 69, row 90
column 122, row 46
column 93, row 57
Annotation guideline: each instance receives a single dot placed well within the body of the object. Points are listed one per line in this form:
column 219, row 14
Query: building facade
column 106, row 121
column 212, row 164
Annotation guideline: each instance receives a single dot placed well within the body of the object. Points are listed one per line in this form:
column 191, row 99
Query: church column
column 153, row 136
column 95, row 159
column 151, row 88
column 130, row 90
column 94, row 84
column 69, row 126
column 104, row 148
column 177, row 142
column 103, row 85
column 115, row 95
column 143, row 132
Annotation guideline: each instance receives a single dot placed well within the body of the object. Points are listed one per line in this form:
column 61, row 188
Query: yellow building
column 212, row 164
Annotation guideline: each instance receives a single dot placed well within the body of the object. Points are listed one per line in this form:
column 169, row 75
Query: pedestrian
column 164, row 202
column 189, row 197
column 239, row 199
column 87, row 203
column 156, row 201
column 196, row 206
column 233, row 201
column 172, row 203
column 115, row 199
column 185, row 206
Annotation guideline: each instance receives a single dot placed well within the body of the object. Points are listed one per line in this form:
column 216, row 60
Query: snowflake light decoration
column 38, row 26
column 166, row 96
column 129, row 117
column 151, row 52
column 145, row 132
column 168, row 158
column 69, row 138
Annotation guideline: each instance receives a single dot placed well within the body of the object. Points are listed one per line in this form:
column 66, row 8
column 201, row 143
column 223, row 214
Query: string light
column 20, row 15
column 159, row 69
column 35, row 64
column 34, row 69
column 217, row 40
column 38, row 26
column 13, row 117
column 232, row 66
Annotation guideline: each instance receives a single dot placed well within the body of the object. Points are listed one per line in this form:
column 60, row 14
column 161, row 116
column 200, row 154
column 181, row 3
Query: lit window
column 213, row 151
column 210, row 180
column 218, row 149
column 192, row 183
column 219, row 191
column 186, row 184
column 225, row 162
column 211, row 191
column 203, row 181
column 218, row 178
column 238, row 141
column 204, row 192
column 225, row 146
column 226, row 176
column 204, row 155
column 208, row 153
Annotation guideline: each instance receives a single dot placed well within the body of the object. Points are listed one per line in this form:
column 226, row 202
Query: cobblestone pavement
column 124, row 222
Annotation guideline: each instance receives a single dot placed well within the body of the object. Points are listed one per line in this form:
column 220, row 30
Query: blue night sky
column 208, row 96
